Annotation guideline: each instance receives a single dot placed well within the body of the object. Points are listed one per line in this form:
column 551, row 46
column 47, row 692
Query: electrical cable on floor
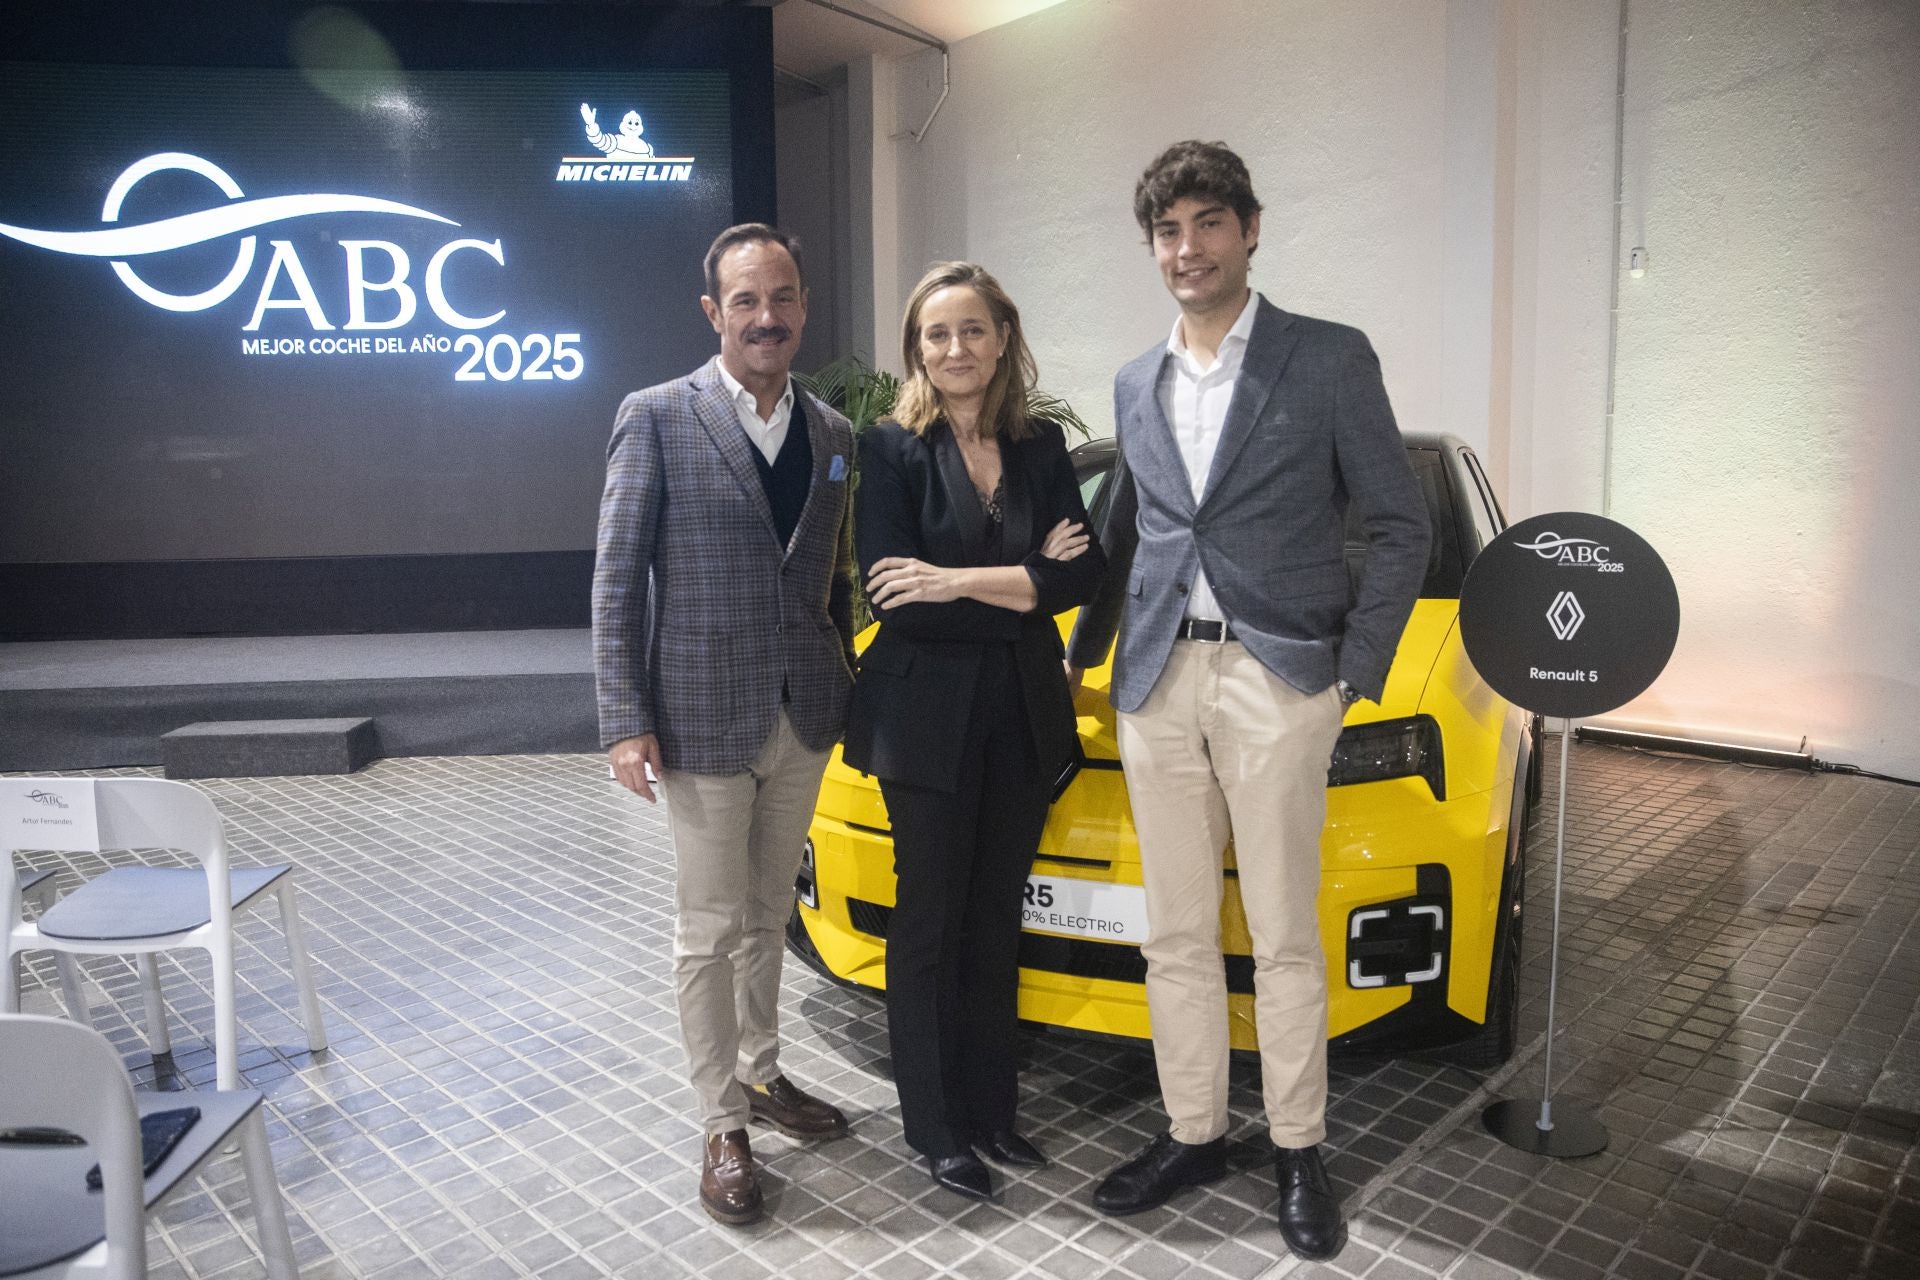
column 1670, row 746
column 1855, row 771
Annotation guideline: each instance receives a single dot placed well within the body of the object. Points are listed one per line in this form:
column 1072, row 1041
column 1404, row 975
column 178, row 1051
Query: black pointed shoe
column 1008, row 1147
column 1166, row 1166
column 962, row 1175
column 1309, row 1215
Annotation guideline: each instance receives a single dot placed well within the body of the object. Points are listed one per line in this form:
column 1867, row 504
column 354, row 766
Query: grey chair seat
column 47, row 1214
column 28, row 881
column 146, row 902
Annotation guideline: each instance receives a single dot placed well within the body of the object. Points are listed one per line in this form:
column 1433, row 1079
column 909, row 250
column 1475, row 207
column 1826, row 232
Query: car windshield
column 1446, row 565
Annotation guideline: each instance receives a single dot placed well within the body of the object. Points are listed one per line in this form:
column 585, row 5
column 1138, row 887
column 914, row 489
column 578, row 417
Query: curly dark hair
column 1202, row 170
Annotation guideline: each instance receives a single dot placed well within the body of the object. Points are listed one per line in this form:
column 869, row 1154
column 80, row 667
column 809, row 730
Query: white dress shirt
column 767, row 434
column 1195, row 401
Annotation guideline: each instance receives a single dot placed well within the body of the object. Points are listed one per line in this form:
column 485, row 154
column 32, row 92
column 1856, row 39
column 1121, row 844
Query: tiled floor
column 503, row 1094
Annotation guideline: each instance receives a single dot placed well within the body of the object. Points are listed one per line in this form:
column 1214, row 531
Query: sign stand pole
column 1568, row 615
column 1528, row 1123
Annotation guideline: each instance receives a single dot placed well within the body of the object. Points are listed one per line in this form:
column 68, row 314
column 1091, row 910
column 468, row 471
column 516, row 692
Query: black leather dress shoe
column 1309, row 1215
column 1008, row 1147
column 962, row 1175
column 1146, row 1181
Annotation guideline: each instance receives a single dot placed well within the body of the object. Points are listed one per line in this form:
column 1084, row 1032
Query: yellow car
column 1421, row 883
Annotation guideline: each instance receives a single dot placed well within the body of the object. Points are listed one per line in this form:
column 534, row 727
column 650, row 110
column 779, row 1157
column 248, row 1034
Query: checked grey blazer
column 1309, row 431
column 701, row 619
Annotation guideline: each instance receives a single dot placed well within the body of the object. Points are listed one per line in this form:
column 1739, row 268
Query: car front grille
column 869, row 918
column 1074, row 957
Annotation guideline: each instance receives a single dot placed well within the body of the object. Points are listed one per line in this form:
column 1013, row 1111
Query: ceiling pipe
column 946, row 87
column 946, row 64
column 1619, row 220
column 797, row 78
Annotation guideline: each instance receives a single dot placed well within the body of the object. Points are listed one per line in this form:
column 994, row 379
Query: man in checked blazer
column 1244, row 439
column 722, row 638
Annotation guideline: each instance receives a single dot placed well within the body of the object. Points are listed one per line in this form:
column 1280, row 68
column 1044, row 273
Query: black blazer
column 914, row 691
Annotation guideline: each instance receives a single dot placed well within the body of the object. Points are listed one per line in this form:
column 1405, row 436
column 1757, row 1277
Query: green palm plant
column 1053, row 409
column 850, row 385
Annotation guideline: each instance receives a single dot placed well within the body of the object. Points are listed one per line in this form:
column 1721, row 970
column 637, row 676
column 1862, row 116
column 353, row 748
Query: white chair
column 141, row 910
column 56, row 1075
column 37, row 887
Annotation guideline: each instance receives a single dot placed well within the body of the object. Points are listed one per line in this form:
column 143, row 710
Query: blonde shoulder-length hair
column 1004, row 412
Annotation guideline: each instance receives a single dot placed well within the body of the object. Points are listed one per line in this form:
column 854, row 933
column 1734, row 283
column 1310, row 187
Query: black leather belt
column 1205, row 630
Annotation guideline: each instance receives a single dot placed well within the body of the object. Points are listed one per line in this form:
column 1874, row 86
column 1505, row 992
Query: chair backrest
column 58, row 1074
column 131, row 813
column 138, row 813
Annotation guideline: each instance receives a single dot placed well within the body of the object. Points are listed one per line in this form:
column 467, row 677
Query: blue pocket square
column 837, row 469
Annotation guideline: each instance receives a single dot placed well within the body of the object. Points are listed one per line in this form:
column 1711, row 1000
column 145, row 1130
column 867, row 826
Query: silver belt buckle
column 1193, row 627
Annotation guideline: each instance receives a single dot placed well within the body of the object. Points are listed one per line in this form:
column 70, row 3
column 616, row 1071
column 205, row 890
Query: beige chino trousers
column 737, row 840
column 1223, row 746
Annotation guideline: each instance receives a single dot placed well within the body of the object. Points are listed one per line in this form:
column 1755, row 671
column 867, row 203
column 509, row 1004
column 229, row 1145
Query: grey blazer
column 702, row 621
column 1309, row 431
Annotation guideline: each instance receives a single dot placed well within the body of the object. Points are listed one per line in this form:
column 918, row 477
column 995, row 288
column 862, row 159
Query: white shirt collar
column 735, row 390
column 1237, row 336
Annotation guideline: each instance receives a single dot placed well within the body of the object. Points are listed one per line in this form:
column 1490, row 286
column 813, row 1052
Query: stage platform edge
column 506, row 693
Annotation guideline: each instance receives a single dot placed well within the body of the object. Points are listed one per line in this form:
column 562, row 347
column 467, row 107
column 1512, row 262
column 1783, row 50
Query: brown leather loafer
column 783, row 1105
column 729, row 1191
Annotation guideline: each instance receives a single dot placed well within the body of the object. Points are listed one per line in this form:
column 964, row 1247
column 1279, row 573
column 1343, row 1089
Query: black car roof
column 1104, row 446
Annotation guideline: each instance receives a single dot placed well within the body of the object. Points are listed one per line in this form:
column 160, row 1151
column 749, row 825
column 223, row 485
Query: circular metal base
column 1575, row 1132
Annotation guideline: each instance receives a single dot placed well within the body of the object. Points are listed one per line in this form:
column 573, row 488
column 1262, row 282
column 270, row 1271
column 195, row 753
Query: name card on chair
column 49, row 813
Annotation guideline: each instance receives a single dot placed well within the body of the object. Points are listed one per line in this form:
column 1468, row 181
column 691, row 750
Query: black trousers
column 961, row 860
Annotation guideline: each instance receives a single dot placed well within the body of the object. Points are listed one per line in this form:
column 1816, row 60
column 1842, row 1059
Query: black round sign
column 1569, row 614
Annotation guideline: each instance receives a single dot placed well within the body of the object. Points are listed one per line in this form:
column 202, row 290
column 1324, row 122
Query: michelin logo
column 625, row 156
column 625, row 145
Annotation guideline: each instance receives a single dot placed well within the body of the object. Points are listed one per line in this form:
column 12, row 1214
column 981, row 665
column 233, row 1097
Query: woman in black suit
column 969, row 526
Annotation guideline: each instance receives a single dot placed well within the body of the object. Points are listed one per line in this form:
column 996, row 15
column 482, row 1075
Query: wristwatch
column 1348, row 694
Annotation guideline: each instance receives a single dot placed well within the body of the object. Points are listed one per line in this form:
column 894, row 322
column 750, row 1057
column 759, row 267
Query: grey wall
column 1766, row 429
column 810, row 148
column 1449, row 177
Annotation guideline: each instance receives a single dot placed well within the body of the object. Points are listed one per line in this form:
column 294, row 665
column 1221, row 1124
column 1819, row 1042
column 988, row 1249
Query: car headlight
column 1408, row 748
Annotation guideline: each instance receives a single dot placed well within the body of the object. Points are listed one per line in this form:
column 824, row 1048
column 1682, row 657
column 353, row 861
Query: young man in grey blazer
column 1244, row 439
column 722, row 639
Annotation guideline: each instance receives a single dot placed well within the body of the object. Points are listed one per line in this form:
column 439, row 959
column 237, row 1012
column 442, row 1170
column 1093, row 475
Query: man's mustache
column 772, row 333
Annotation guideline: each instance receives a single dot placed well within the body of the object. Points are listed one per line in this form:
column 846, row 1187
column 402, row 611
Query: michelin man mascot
column 625, row 145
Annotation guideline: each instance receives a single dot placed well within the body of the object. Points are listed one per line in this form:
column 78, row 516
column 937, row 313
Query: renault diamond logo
column 1565, row 615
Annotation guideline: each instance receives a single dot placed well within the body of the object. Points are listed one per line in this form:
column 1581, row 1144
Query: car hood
column 1421, row 646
